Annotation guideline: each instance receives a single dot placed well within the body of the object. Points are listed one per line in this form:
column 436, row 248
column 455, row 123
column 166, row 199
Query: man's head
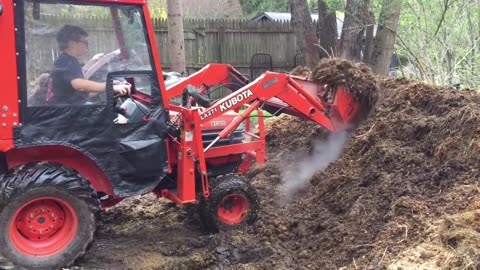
column 73, row 40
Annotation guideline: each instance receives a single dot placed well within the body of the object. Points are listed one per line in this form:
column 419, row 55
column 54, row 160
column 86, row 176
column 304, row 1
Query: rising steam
column 297, row 176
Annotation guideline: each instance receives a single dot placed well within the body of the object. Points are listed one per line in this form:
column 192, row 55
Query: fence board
column 207, row 41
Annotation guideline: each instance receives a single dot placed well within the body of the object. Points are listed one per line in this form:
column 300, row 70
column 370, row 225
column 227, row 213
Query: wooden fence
column 206, row 41
column 231, row 41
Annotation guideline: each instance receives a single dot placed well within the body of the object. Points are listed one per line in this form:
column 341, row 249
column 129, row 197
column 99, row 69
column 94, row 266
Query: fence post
column 221, row 41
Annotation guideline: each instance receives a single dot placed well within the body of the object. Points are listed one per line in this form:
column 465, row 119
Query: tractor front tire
column 232, row 204
column 47, row 217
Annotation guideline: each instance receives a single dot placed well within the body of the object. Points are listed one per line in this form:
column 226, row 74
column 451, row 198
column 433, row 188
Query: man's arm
column 88, row 86
column 95, row 87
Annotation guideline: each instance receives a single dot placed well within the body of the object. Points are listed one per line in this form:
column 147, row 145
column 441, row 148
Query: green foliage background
column 441, row 44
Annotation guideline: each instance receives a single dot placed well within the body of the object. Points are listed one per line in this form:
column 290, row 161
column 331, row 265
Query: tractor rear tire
column 47, row 217
column 232, row 204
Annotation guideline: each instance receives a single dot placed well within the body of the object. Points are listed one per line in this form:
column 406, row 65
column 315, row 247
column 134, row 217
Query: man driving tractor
column 67, row 84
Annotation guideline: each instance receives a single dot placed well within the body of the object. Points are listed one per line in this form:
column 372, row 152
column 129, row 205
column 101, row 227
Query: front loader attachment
column 336, row 102
column 338, row 94
column 335, row 107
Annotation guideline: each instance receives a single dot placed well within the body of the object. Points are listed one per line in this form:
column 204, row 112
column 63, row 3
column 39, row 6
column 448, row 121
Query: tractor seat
column 39, row 96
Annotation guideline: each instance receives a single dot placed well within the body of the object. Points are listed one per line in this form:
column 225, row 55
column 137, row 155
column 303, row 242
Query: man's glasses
column 84, row 42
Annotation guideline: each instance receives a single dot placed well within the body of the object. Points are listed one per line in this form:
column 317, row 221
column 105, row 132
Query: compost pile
column 403, row 194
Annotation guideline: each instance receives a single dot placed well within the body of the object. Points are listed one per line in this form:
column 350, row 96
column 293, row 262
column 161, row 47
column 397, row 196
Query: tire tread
column 49, row 174
column 218, row 187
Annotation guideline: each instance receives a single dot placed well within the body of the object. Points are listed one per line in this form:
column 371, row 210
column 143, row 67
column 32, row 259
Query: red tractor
column 60, row 163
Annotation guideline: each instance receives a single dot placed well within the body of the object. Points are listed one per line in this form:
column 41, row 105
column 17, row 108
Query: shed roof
column 286, row 16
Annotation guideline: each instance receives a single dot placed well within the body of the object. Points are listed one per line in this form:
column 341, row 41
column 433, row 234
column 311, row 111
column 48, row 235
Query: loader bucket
column 344, row 106
column 353, row 82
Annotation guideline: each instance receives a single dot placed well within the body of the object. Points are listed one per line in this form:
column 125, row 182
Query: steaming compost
column 403, row 194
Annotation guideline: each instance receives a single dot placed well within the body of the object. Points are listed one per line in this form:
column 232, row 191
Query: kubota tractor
column 59, row 164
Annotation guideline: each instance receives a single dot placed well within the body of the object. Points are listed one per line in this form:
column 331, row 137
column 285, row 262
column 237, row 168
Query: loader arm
column 210, row 75
column 331, row 108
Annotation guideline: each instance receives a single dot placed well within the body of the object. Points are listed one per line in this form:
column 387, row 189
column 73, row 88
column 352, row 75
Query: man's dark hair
column 69, row 33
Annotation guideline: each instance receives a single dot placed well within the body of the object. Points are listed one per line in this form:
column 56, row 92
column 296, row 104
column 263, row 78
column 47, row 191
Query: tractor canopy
column 102, row 41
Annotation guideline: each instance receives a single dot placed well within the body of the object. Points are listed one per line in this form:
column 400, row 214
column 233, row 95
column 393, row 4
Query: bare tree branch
column 446, row 6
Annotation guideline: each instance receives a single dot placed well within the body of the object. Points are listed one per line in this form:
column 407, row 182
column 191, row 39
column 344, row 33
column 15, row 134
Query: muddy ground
column 404, row 194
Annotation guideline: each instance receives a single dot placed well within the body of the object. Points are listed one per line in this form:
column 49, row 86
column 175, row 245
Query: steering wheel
column 135, row 59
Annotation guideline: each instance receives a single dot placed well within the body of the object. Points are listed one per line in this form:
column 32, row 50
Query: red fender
column 66, row 156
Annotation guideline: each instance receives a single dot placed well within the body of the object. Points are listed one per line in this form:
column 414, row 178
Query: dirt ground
column 404, row 194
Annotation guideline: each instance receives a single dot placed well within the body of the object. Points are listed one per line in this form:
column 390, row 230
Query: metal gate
column 259, row 63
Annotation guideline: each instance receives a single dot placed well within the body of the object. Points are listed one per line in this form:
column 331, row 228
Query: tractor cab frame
column 85, row 136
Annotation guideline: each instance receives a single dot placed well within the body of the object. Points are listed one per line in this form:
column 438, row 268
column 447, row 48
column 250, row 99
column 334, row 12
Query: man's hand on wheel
column 122, row 89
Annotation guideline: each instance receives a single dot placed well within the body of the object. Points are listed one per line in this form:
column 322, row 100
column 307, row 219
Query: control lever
column 119, row 110
column 191, row 91
column 116, row 105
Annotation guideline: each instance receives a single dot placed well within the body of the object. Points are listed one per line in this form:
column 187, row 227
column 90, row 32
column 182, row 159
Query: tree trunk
column 386, row 34
column 304, row 32
column 176, row 43
column 368, row 48
column 327, row 30
column 353, row 31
